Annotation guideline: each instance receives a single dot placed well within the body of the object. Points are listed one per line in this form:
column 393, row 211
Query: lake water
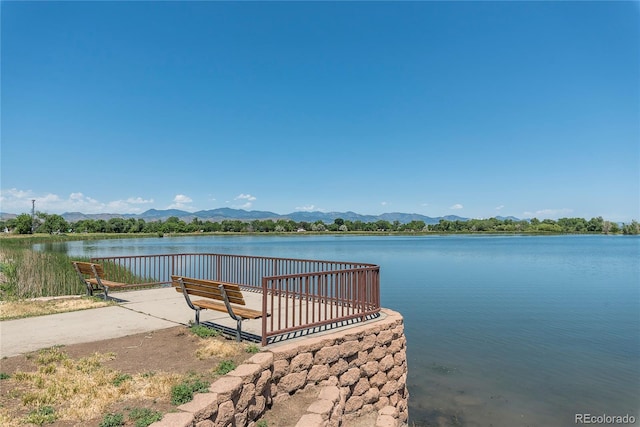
column 502, row 330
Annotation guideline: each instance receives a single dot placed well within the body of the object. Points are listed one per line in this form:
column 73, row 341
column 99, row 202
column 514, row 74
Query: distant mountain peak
column 221, row 214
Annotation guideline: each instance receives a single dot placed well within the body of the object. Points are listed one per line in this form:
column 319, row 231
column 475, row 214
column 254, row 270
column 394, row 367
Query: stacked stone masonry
column 360, row 370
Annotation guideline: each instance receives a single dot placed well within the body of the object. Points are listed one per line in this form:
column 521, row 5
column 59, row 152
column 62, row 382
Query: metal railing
column 299, row 295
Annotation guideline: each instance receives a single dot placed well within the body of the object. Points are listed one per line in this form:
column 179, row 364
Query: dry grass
column 38, row 307
column 215, row 348
column 84, row 389
column 81, row 389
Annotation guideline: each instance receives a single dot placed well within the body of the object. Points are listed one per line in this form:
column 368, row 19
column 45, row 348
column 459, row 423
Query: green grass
column 183, row 392
column 203, row 331
column 252, row 349
column 121, row 378
column 225, row 367
column 41, row 415
column 112, row 420
column 142, row 417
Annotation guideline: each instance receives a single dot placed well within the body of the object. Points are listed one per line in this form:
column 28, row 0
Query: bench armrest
column 186, row 295
column 227, row 303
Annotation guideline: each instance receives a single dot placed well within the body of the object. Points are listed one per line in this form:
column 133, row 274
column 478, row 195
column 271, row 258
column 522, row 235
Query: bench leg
column 239, row 329
column 197, row 316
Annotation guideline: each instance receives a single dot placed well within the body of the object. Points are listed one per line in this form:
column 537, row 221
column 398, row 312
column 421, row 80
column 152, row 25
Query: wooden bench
column 220, row 297
column 92, row 275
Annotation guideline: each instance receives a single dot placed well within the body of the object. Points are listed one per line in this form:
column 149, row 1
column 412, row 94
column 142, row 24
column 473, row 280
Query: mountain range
column 221, row 214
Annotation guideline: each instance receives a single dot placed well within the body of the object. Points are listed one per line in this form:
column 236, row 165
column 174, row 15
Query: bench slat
column 245, row 313
column 233, row 295
column 86, row 268
column 211, row 292
column 110, row 284
column 210, row 289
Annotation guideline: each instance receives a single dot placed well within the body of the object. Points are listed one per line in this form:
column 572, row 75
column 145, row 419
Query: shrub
column 183, row 392
column 120, row 378
column 203, row 331
column 112, row 420
column 144, row 416
column 42, row 415
column 252, row 348
column 225, row 367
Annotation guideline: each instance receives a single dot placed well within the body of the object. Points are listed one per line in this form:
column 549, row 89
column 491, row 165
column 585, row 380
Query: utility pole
column 33, row 213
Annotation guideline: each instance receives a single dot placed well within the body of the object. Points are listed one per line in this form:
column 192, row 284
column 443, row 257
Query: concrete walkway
column 143, row 311
column 137, row 312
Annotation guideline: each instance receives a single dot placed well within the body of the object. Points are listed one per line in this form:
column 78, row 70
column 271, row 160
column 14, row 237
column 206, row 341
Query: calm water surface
column 501, row 330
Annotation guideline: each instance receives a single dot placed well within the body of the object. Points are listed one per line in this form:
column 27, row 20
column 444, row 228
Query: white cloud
column 181, row 198
column 499, row 207
column 249, row 199
column 180, row 201
column 549, row 213
column 456, row 206
column 138, row 201
column 309, row 208
column 383, row 203
column 19, row 201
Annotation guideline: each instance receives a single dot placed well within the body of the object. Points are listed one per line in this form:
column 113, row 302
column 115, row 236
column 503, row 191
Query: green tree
column 54, row 224
column 286, row 225
column 595, row 225
column 304, row 225
column 23, row 224
column 268, row 225
column 358, row 225
column 173, row 224
column 101, row 226
column 415, row 226
column 318, row 226
column 383, row 225
column 117, row 225
column 633, row 228
column 212, row 226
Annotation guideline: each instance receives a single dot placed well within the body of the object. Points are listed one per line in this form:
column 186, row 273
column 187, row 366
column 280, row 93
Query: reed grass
column 29, row 274
column 26, row 273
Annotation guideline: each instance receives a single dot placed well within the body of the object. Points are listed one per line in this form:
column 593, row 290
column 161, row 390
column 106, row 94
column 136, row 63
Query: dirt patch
column 172, row 351
column 287, row 413
column 167, row 351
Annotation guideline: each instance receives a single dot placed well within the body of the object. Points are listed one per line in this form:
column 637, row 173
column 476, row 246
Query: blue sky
column 477, row 109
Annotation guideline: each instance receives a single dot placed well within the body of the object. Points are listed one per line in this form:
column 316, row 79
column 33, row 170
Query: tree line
column 53, row 223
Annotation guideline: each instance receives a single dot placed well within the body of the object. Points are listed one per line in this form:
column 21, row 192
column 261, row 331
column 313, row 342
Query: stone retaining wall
column 361, row 369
